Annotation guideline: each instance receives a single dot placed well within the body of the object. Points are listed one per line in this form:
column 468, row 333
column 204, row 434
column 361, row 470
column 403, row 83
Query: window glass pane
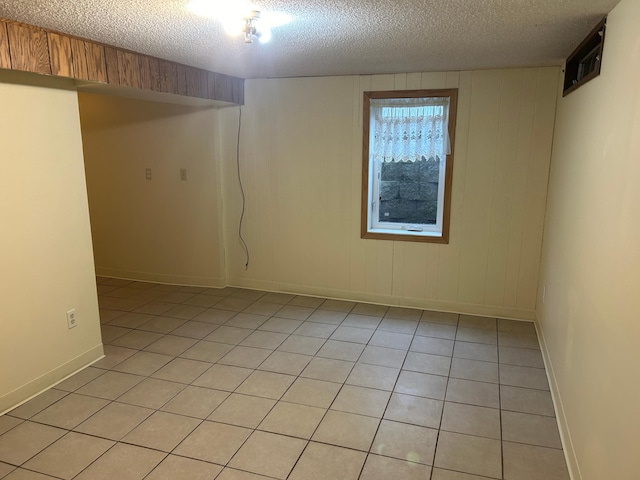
column 409, row 192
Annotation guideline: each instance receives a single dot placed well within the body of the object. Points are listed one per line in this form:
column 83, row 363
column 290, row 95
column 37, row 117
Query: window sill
column 406, row 236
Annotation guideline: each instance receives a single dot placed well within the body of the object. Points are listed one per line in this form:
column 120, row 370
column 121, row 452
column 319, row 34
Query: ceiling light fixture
column 241, row 17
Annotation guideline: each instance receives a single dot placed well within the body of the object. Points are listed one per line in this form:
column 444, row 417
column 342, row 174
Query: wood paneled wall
column 33, row 49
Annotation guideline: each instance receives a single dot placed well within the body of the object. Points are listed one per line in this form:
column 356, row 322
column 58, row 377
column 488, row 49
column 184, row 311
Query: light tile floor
column 237, row 384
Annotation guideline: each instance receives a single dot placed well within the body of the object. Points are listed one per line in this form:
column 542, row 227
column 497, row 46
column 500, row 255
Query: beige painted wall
column 301, row 162
column 46, row 266
column 165, row 229
column 591, row 261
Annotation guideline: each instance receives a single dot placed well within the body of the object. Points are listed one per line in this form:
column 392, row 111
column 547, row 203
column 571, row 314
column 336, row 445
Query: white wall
column 46, row 266
column 301, row 165
column 591, row 261
column 165, row 229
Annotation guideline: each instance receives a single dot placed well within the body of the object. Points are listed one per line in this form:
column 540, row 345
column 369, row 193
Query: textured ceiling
column 334, row 37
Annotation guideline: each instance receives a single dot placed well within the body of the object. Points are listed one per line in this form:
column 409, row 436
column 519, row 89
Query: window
column 408, row 164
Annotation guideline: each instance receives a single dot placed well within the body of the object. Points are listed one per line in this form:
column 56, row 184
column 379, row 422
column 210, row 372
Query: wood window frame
column 452, row 93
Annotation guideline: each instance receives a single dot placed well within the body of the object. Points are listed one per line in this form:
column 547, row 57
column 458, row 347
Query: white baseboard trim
column 410, row 302
column 162, row 278
column 563, row 427
column 44, row 382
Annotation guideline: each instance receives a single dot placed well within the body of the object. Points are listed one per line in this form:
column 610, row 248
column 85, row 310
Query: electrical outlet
column 183, row 174
column 147, row 173
column 71, row 319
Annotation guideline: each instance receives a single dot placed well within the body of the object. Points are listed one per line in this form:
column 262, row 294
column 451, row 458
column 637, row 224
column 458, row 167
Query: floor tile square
column 421, row 385
column 110, row 385
column 205, row 351
column 161, row 431
column 519, row 340
column 526, row 400
column 171, row 345
column 280, row 325
column 398, row 326
column 383, row 356
column 384, row 468
column 223, row 377
column 361, row 321
column 266, row 384
column 261, row 339
column 228, row 335
column 113, row 356
column 476, row 335
column 476, row 351
column 8, row 422
column 184, row 312
column 471, row 420
column 24, row 441
column 473, row 393
column 527, row 462
column 401, row 341
column 405, row 442
column 193, row 329
column 327, row 369
column 124, row 462
column 403, row 313
column 523, row 357
column 523, row 377
column 530, row 429
column 161, row 324
column 440, row 317
column 182, row 370
column 370, row 309
column 213, row 315
column 68, row 456
column 474, row 370
column 285, row 362
column 267, row 309
column 347, row 430
column 516, row 326
column 315, row 393
column 315, row 329
column 337, row 305
column 427, row 363
column 268, row 454
column 424, row 412
column 327, row 462
column 155, row 307
column 373, row 376
column 352, row 334
column 246, row 320
column 79, row 379
column 213, row 442
column 195, row 402
column 35, row 405
column 202, row 300
column 136, row 339
column 434, row 346
column 279, row 298
column 114, row 421
column 440, row 474
column 70, row 411
column 294, row 312
column 361, row 401
column 468, row 454
column 292, row 419
column 6, row 469
column 151, row 393
column 142, row 363
column 477, row 322
column 131, row 320
column 110, row 333
column 304, row 301
column 330, row 317
column 341, row 350
column 437, row 330
column 247, row 357
column 181, row 468
column 242, row 410
column 301, row 345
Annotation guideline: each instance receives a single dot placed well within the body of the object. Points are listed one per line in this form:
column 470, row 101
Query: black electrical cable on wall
column 244, row 244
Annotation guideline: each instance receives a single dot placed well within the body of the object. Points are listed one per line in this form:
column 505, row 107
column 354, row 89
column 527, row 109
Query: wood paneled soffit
column 33, row 49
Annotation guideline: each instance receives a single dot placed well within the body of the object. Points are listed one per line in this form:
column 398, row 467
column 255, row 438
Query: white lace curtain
column 408, row 129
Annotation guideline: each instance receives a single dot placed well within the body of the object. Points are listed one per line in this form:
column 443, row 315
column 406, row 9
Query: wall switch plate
column 147, row 173
column 71, row 319
column 183, row 174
